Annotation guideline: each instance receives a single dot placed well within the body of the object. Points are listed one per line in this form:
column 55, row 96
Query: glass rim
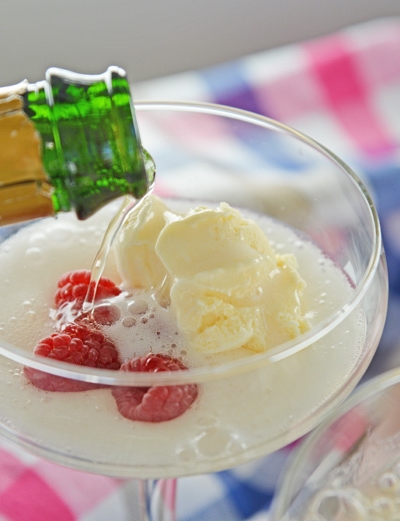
column 253, row 361
column 366, row 391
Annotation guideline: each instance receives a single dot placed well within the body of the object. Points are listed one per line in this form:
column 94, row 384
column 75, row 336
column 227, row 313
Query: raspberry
column 78, row 344
column 74, row 287
column 156, row 403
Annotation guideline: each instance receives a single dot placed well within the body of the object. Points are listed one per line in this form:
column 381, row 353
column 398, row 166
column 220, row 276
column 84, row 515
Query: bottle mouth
column 150, row 168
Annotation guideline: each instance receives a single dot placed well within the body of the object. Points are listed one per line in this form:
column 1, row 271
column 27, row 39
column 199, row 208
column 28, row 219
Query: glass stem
column 144, row 499
column 157, row 500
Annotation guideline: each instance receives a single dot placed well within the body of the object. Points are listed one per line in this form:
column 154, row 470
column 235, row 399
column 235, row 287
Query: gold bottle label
column 24, row 190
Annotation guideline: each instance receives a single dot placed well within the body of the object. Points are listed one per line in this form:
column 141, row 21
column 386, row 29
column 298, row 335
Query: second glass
column 348, row 469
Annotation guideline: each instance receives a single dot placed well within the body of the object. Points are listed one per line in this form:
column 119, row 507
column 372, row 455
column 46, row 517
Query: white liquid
column 234, row 418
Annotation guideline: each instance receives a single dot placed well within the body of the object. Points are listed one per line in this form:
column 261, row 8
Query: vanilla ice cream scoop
column 137, row 261
column 227, row 287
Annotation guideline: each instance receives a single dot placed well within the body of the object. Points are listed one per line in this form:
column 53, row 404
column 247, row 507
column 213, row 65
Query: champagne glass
column 309, row 203
column 349, row 468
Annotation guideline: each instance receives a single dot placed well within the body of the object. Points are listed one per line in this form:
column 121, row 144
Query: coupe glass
column 349, row 468
column 246, row 407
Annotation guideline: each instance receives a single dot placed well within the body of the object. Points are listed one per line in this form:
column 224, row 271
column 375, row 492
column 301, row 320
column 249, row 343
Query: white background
column 152, row 38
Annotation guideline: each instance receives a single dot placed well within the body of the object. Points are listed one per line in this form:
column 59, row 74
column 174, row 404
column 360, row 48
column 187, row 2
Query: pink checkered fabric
column 32, row 489
column 344, row 91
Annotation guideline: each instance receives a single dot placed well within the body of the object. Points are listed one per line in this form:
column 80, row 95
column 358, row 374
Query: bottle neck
column 91, row 148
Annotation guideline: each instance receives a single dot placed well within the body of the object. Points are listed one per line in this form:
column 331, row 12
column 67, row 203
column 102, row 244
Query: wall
column 151, row 38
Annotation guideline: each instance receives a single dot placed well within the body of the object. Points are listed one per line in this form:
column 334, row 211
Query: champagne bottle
column 69, row 142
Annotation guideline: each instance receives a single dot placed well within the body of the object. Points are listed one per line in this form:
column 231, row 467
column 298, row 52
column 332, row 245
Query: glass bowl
column 246, row 406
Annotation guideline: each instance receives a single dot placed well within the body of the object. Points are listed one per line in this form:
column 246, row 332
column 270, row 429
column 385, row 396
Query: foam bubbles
column 147, row 327
column 376, row 499
column 128, row 321
column 138, row 306
column 34, row 253
column 61, row 233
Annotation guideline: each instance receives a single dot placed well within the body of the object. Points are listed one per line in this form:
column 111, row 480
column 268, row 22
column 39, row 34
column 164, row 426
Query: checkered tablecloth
column 342, row 90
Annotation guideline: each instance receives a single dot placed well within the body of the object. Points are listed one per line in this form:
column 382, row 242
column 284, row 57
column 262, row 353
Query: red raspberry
column 74, row 286
column 77, row 344
column 156, row 403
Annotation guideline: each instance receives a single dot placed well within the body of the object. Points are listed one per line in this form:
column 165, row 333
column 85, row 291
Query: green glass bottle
column 69, row 142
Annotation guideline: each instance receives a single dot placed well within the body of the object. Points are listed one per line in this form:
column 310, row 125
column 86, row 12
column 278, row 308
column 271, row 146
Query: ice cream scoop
column 228, row 289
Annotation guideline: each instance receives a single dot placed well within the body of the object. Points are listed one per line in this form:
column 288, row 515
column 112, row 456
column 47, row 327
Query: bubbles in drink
column 60, row 234
column 335, row 505
column 343, row 499
column 214, row 441
column 387, row 481
column 128, row 321
column 34, row 253
column 106, row 314
column 37, row 238
column 186, row 455
column 138, row 306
